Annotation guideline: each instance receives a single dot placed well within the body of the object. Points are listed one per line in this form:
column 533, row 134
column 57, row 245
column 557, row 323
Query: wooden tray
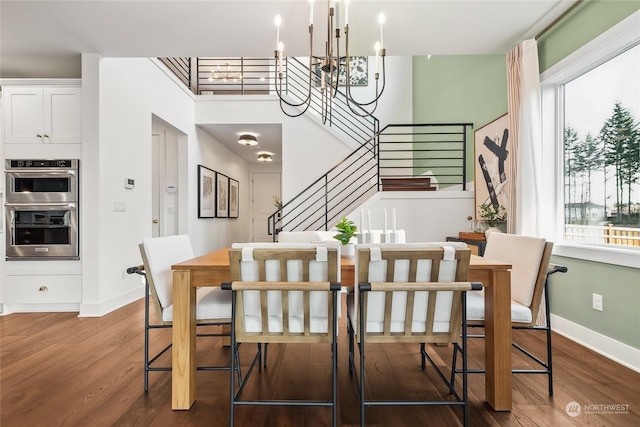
column 466, row 235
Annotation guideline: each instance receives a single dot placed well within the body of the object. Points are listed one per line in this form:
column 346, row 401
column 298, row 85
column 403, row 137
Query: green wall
column 571, row 298
column 460, row 89
column 619, row 286
column 581, row 26
column 474, row 89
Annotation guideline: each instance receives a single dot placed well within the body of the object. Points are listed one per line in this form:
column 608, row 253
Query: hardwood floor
column 61, row 370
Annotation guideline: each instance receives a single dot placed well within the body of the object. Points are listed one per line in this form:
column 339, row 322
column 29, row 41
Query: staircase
column 400, row 157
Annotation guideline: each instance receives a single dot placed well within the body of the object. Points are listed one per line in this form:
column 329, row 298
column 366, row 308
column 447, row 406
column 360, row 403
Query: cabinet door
column 62, row 116
column 23, row 114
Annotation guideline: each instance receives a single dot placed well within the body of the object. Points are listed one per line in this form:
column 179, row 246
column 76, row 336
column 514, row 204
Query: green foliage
column 347, row 229
column 621, row 138
column 492, row 215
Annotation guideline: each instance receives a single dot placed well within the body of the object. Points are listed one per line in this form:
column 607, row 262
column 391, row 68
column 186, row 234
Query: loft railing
column 437, row 151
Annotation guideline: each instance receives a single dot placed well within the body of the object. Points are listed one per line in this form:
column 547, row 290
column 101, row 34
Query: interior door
column 264, row 187
column 165, row 194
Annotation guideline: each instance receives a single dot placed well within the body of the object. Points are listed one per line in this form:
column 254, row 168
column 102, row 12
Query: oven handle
column 41, row 205
column 42, row 173
column 12, row 227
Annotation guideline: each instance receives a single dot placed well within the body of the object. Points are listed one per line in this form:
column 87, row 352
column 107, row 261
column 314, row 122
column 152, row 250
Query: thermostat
column 129, row 183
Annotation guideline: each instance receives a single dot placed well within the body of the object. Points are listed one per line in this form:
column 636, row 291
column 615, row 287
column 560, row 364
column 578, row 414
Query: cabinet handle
column 45, row 135
column 43, row 289
column 38, row 135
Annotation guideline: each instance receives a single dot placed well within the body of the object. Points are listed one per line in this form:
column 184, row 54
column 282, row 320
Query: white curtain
column 526, row 139
column 526, row 143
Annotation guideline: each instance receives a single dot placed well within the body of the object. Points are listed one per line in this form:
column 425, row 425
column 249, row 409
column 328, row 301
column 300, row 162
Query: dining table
column 212, row 269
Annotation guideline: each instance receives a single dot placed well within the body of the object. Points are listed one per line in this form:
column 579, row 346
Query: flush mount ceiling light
column 265, row 157
column 248, row 139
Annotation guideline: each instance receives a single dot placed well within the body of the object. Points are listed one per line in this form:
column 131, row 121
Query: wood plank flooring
column 60, row 370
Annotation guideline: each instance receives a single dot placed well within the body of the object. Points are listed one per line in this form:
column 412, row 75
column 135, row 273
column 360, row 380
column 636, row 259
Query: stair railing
column 437, row 151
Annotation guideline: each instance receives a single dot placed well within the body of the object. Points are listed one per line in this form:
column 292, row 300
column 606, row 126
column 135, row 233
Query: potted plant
column 346, row 230
column 493, row 216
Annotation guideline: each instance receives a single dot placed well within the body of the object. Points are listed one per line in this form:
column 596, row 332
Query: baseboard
column 103, row 307
column 619, row 352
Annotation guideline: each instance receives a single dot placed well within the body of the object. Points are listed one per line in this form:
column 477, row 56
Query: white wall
column 120, row 97
column 429, row 216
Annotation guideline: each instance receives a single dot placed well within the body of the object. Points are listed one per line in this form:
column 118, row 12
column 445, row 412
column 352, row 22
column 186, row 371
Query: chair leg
column 454, row 361
column 422, row 351
column 146, row 334
column 548, row 318
column 350, row 333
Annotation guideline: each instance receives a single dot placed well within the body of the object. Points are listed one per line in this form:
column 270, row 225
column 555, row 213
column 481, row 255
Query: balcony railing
column 603, row 234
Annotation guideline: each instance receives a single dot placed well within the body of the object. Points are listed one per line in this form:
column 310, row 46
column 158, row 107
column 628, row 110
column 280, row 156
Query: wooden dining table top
column 218, row 262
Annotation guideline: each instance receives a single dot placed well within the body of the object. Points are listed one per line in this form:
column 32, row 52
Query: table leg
column 498, row 341
column 184, row 341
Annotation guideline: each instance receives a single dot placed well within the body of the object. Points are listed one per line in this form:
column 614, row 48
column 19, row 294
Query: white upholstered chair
column 284, row 293
column 410, row 294
column 309, row 236
column 529, row 257
column 213, row 306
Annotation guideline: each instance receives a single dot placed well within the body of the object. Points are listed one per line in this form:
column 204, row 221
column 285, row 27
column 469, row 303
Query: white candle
column 337, row 13
column 385, row 221
column 393, row 220
column 362, row 220
column 381, row 20
column 278, row 22
column 377, row 49
column 311, row 12
column 346, row 12
column 281, row 56
column 368, row 220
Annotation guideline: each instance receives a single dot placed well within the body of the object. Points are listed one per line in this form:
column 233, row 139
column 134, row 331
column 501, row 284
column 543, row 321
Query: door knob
column 155, row 221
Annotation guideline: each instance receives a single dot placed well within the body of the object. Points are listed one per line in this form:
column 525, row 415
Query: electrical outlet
column 597, row 302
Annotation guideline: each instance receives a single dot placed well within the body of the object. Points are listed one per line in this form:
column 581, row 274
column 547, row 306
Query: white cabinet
column 42, row 293
column 42, row 115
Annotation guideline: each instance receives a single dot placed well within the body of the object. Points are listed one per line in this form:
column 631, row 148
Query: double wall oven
column 42, row 209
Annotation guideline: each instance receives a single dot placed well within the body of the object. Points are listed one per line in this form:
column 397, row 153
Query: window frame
column 603, row 48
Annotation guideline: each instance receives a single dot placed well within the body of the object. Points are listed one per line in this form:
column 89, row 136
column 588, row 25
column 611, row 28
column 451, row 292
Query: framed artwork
column 206, row 195
column 358, row 72
column 222, row 195
column 492, row 170
column 234, row 198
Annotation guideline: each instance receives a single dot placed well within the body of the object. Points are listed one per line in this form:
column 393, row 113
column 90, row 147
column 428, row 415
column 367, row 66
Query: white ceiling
column 44, row 39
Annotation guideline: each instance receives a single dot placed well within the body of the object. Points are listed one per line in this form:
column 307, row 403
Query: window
column 591, row 122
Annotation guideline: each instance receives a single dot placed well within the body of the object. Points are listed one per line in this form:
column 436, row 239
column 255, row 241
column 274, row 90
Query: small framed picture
column 234, row 198
column 206, row 195
column 222, row 195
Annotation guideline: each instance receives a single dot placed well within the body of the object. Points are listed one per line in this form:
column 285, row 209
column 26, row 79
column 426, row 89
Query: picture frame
column 234, row 198
column 491, row 160
column 206, row 194
column 358, row 74
column 222, row 195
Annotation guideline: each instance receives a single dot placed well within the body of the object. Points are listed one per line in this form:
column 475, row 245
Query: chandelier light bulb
column 381, row 20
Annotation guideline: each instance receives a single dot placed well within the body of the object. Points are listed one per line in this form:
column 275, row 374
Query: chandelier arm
column 307, row 100
column 378, row 95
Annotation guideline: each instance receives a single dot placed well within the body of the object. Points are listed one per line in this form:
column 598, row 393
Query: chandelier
column 331, row 65
column 225, row 75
